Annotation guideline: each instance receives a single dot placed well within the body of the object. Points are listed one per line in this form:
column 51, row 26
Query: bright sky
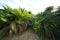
column 31, row 5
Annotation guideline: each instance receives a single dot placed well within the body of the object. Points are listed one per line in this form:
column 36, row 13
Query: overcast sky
column 31, row 5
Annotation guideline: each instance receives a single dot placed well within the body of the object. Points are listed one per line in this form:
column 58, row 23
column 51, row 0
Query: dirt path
column 27, row 35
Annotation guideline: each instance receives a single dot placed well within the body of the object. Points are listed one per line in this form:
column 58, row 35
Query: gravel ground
column 27, row 35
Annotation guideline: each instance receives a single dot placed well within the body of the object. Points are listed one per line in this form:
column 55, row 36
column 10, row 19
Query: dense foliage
column 46, row 24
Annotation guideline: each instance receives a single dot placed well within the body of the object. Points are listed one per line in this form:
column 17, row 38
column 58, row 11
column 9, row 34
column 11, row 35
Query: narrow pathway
column 27, row 35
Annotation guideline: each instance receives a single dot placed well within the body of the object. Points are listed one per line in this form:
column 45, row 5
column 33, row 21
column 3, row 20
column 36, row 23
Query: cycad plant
column 47, row 25
column 13, row 20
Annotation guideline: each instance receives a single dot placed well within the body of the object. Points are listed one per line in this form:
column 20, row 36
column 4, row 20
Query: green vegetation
column 46, row 24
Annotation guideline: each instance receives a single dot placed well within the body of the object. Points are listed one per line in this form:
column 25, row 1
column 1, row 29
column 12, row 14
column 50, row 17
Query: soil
column 27, row 35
